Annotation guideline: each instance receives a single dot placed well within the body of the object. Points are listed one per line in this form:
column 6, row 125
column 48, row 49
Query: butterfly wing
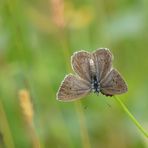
column 113, row 84
column 103, row 61
column 73, row 88
column 80, row 64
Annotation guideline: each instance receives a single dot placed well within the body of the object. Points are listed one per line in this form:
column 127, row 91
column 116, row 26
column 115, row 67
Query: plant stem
column 83, row 128
column 131, row 117
column 5, row 129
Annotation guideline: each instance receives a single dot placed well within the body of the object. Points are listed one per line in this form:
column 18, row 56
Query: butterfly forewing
column 103, row 61
column 73, row 88
column 113, row 84
column 80, row 63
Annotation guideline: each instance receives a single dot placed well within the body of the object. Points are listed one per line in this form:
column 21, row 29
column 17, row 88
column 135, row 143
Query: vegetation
column 37, row 39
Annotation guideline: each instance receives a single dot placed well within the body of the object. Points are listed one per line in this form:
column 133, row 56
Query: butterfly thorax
column 95, row 85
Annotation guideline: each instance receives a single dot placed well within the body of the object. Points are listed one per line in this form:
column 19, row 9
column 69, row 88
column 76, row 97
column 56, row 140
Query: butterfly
column 93, row 73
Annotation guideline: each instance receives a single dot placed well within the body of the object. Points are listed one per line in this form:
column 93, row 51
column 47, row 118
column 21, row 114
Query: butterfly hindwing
column 113, row 84
column 73, row 88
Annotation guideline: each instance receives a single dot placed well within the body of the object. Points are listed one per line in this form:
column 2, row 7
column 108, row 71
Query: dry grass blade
column 27, row 109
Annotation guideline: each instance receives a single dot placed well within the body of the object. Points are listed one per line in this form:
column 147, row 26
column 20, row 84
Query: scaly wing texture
column 80, row 63
column 73, row 88
column 103, row 61
column 113, row 84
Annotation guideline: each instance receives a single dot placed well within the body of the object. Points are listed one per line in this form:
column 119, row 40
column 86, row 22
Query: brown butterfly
column 94, row 73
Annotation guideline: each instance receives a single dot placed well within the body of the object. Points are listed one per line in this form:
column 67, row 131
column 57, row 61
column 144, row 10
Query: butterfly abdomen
column 92, row 67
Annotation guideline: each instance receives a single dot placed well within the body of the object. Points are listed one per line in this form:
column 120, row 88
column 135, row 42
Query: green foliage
column 37, row 39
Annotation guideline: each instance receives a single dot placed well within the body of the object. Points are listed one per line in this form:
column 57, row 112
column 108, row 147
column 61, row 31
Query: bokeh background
column 37, row 39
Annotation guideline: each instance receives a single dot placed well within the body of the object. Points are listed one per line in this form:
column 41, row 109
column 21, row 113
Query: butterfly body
column 95, row 85
column 93, row 73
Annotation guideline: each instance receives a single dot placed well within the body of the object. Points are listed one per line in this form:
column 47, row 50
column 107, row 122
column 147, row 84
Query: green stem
column 5, row 129
column 83, row 128
column 131, row 117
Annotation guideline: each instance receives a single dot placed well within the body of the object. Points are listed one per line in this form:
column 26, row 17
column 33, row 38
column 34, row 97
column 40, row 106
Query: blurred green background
column 37, row 39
